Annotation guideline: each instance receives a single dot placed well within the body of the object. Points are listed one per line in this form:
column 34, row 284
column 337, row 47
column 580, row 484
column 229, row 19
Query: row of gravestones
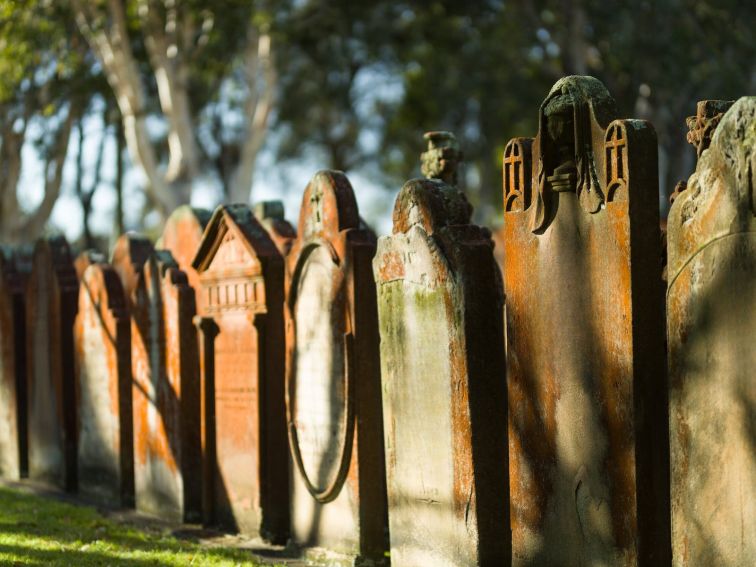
column 381, row 398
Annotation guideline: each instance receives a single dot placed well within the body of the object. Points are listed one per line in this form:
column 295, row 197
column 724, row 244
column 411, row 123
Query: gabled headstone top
column 328, row 206
column 241, row 221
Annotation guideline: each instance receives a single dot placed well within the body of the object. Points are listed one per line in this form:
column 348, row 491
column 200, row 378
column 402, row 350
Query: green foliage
column 39, row 531
column 481, row 68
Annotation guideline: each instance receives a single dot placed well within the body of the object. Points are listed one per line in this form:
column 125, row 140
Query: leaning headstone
column 166, row 393
column 51, row 299
column 333, row 393
column 242, row 349
column 13, row 418
column 270, row 214
column 181, row 236
column 711, row 325
column 589, row 460
column 440, row 307
column 103, row 357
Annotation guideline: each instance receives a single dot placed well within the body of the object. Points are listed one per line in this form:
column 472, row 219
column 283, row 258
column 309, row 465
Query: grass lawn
column 43, row 531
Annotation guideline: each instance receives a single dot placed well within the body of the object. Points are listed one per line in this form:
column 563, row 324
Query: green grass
column 40, row 531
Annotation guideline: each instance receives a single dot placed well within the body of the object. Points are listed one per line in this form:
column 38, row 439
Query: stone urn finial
column 442, row 158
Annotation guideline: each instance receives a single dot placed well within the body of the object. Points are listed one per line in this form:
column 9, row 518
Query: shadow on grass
column 39, row 531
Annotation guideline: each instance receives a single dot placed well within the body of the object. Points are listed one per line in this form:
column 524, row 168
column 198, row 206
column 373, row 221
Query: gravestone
column 51, row 300
column 167, row 450
column 333, row 379
column 586, row 364
column 181, row 236
column 711, row 325
column 440, row 307
column 129, row 255
column 242, row 350
column 270, row 214
column 13, row 418
column 103, row 361
column 86, row 259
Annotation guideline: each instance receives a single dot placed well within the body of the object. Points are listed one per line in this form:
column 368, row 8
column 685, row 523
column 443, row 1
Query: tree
column 43, row 69
column 183, row 52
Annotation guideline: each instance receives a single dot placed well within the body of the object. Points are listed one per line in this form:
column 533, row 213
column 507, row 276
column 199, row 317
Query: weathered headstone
column 13, row 418
column 711, row 326
column 103, row 369
column 333, row 378
column 589, row 459
column 270, row 214
column 181, row 236
column 51, row 300
column 440, row 306
column 242, row 349
column 166, row 393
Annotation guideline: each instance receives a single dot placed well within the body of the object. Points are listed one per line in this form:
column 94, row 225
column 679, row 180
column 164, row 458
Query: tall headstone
column 242, row 350
column 711, row 326
column 51, row 300
column 588, row 436
column 333, row 392
column 440, row 307
column 103, row 361
column 13, row 418
column 166, row 393
column 270, row 214
column 181, row 236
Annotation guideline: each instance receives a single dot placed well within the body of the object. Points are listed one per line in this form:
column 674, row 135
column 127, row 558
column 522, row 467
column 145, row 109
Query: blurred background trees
column 194, row 95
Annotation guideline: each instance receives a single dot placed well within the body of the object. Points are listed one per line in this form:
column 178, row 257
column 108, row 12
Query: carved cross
column 513, row 167
column 614, row 146
column 316, row 202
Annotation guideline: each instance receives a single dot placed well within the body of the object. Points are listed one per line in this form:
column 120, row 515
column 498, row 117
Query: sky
column 273, row 181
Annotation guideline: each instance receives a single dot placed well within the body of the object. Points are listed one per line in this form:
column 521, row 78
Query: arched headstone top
column 181, row 219
column 130, row 252
column 328, row 206
column 86, row 259
column 431, row 204
column 239, row 223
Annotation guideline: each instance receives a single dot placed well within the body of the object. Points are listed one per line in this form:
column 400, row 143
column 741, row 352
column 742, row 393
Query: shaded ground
column 43, row 527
